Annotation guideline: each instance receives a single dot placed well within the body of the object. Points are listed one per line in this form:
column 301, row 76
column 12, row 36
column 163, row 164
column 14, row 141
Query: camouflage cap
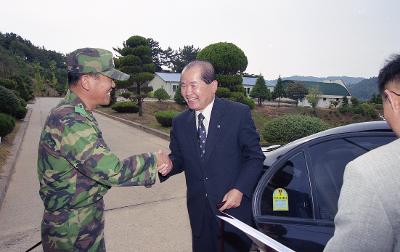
column 94, row 60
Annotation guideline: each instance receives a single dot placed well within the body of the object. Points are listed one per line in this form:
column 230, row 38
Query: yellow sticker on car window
column 280, row 200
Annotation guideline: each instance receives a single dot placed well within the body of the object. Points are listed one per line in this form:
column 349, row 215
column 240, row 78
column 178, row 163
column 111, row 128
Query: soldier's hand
column 164, row 164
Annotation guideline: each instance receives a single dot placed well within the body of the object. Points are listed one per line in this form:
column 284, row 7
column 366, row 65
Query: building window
column 174, row 88
column 324, row 99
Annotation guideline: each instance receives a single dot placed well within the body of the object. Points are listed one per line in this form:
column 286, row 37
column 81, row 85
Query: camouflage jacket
column 75, row 166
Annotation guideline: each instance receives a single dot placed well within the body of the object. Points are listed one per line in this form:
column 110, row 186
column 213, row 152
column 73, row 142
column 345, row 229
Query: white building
column 170, row 82
column 332, row 92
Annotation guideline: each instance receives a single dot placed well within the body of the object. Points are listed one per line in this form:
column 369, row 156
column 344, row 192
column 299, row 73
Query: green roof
column 326, row 88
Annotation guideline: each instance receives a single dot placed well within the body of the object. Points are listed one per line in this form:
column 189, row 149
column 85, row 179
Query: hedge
column 242, row 98
column 125, row 107
column 8, row 101
column 223, row 92
column 165, row 117
column 161, row 94
column 20, row 112
column 7, row 124
column 288, row 128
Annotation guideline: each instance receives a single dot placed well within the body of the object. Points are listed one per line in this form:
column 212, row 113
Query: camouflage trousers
column 79, row 229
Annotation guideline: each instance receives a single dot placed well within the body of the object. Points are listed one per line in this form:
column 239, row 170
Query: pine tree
column 260, row 90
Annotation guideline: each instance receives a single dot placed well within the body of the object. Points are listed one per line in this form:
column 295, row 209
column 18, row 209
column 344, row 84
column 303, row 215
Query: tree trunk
column 139, row 100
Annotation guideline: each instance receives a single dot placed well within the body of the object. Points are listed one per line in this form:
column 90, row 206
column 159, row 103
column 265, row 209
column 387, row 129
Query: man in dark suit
column 216, row 144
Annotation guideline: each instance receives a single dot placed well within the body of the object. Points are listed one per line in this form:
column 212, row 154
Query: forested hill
column 43, row 71
column 364, row 89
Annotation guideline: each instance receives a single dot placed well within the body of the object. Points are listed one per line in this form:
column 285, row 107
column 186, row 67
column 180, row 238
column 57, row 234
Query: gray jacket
column 368, row 217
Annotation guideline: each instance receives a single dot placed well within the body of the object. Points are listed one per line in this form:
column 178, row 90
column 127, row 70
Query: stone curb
column 8, row 168
column 149, row 130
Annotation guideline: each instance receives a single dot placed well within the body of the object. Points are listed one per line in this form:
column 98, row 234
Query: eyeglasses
column 393, row 92
column 384, row 96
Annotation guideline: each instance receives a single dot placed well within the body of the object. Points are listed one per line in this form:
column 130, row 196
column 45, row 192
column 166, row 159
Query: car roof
column 272, row 154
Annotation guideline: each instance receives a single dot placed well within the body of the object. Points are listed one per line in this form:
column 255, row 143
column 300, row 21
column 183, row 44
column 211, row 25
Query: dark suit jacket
column 233, row 159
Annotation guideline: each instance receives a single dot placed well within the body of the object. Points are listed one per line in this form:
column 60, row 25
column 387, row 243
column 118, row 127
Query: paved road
column 137, row 219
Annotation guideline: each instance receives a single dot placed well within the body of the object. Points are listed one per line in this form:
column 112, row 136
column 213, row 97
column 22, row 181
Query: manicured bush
column 223, row 92
column 7, row 124
column 8, row 101
column 165, row 117
column 22, row 102
column 161, row 94
column 178, row 96
column 125, row 107
column 20, row 112
column 240, row 97
column 126, row 94
column 288, row 128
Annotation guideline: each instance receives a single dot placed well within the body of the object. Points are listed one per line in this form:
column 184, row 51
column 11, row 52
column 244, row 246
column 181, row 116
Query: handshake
column 164, row 164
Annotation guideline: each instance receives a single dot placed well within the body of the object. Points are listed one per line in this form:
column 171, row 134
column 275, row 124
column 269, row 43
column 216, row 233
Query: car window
column 328, row 160
column 371, row 142
column 293, row 178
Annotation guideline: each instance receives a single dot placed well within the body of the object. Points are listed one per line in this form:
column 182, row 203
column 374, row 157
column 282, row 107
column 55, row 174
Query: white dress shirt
column 207, row 116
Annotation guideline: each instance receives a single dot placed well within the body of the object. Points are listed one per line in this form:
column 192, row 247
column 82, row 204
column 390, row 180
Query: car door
column 327, row 160
column 294, row 226
column 312, row 175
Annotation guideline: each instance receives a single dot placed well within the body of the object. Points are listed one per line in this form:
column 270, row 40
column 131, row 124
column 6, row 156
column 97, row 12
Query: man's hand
column 164, row 164
column 232, row 199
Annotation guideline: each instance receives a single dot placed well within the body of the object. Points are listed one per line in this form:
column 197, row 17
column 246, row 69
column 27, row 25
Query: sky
column 283, row 37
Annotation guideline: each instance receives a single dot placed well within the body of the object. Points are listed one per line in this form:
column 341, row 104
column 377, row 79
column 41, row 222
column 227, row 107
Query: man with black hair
column 368, row 217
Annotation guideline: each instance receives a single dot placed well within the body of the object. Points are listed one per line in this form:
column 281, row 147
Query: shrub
column 150, row 94
column 368, row 109
column 165, row 117
column 20, row 112
column 125, row 107
column 126, row 94
column 344, row 109
column 223, row 92
column 240, row 97
column 10, row 84
column 354, row 101
column 161, row 94
column 229, row 81
column 22, row 102
column 8, row 101
column 178, row 96
column 24, row 87
column 288, row 128
column 7, row 124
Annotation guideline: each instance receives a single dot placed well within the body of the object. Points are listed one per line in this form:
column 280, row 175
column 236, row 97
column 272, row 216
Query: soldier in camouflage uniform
column 75, row 166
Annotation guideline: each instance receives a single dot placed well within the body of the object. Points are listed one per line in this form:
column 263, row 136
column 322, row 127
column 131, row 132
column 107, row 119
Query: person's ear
column 85, row 79
column 214, row 84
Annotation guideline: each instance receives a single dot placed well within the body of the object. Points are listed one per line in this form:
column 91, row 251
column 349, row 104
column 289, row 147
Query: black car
column 310, row 172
